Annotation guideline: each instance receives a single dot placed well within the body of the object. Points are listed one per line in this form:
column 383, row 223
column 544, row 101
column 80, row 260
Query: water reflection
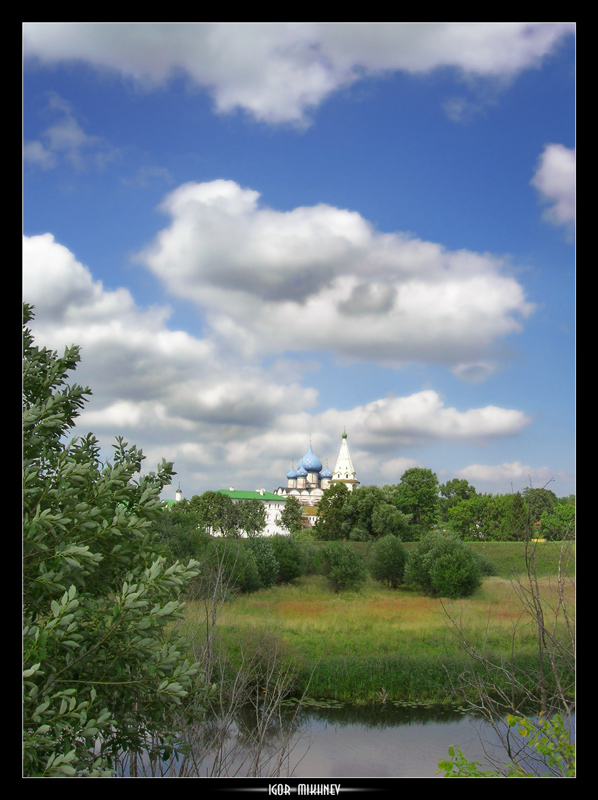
column 381, row 741
column 387, row 742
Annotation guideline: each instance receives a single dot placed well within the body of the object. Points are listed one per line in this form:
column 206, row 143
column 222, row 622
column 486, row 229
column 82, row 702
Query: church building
column 309, row 480
column 307, row 483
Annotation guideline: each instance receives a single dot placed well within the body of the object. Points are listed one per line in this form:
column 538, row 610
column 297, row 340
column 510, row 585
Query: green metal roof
column 241, row 495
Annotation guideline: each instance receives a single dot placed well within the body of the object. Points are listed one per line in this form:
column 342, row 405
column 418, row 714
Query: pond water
column 386, row 742
column 382, row 741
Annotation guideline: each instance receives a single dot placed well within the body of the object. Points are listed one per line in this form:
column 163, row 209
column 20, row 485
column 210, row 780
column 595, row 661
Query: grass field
column 357, row 645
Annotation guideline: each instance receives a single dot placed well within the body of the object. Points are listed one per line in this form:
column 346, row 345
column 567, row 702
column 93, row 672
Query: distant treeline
column 408, row 510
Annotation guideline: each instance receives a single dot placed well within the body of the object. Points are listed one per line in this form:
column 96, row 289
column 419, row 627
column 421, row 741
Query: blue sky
column 262, row 233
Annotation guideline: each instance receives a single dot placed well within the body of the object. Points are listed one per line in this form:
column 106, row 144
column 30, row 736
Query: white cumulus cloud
column 555, row 181
column 321, row 278
column 189, row 400
column 278, row 72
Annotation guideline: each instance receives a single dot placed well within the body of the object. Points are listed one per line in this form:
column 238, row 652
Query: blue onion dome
column 301, row 471
column 326, row 474
column 311, row 462
column 292, row 472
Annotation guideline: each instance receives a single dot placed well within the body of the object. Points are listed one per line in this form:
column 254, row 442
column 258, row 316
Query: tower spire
column 344, row 472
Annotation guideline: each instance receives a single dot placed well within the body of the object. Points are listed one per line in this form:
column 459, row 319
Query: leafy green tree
column 265, row 558
column 417, row 495
column 452, row 492
column 332, row 520
column 250, row 517
column 387, row 561
column 559, row 523
column 182, row 533
column 288, row 554
column 467, row 518
column 343, row 567
column 515, row 525
column 387, row 519
column 567, row 501
column 291, row 517
column 359, row 509
column 217, row 512
column 234, row 563
column 102, row 664
column 539, row 501
column 370, row 513
column 443, row 565
column 503, row 518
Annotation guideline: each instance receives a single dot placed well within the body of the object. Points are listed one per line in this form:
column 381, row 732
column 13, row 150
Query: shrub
column 288, row 554
column 387, row 561
column 487, row 567
column 104, row 666
column 237, row 563
column 444, row 565
column 265, row 559
column 359, row 535
column 310, row 557
column 343, row 567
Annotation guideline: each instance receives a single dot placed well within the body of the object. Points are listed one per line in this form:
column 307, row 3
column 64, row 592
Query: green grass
column 507, row 557
column 355, row 645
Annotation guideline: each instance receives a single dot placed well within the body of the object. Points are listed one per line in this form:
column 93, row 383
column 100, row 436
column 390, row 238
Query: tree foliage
column 291, row 517
column 444, row 565
column 181, row 533
column 417, row 496
column 332, row 522
column 288, row 554
column 100, row 669
column 453, row 492
column 387, row 561
column 539, row 501
column 344, row 569
column 265, row 558
column 558, row 523
column 216, row 512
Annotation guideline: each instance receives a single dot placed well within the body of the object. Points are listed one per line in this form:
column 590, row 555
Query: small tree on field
column 515, row 523
column 181, row 533
column 265, row 558
column 332, row 521
column 235, row 561
column 344, row 569
column 387, row 561
column 288, row 555
column 417, row 496
column 443, row 565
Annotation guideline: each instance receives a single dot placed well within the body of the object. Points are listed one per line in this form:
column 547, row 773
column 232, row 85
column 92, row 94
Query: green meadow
column 377, row 642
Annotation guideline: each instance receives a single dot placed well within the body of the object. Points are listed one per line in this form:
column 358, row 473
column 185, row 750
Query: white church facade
column 307, row 483
column 309, row 480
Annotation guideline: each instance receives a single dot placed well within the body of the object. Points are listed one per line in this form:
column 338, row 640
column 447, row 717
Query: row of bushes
column 439, row 564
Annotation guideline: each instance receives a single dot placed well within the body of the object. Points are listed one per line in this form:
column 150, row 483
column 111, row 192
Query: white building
column 307, row 484
column 273, row 506
column 310, row 480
